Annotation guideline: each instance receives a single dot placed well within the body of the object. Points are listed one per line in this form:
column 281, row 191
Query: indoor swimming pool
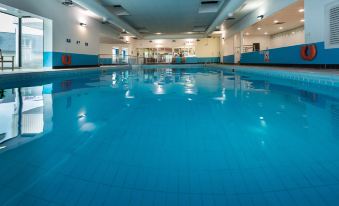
column 169, row 136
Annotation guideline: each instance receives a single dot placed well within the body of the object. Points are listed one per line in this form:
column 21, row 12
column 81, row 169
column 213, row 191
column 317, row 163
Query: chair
column 9, row 60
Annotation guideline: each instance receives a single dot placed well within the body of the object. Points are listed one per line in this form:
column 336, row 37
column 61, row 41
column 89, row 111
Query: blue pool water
column 169, row 137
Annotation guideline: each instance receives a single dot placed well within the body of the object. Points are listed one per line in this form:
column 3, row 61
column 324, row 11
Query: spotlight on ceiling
column 260, row 17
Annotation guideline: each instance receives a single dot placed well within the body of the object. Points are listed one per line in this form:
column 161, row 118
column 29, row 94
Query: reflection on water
column 25, row 113
column 220, row 134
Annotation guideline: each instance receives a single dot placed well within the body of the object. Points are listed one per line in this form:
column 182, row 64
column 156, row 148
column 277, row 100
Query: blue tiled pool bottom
column 169, row 137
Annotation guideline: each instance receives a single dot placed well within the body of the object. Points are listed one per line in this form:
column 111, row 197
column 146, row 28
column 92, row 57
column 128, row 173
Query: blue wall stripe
column 198, row 60
column 54, row 59
column 106, row 61
column 229, row 59
column 291, row 55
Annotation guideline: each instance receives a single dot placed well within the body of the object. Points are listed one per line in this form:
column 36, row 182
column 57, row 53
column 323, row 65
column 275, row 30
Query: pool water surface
column 194, row 137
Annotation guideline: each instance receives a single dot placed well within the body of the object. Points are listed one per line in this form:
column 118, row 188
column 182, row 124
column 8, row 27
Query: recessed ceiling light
column 281, row 28
column 259, row 28
column 247, row 33
column 276, row 21
column 3, row 9
column 302, row 20
column 266, row 33
column 158, row 33
column 301, row 10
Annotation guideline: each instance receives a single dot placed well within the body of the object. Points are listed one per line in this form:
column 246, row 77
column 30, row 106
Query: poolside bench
column 6, row 59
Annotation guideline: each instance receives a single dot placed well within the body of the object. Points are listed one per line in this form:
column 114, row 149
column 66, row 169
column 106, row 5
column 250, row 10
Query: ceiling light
column 158, row 33
column 301, row 10
column 281, row 28
column 3, row 9
column 259, row 28
column 266, row 33
column 276, row 21
column 260, row 17
column 302, row 20
column 247, row 33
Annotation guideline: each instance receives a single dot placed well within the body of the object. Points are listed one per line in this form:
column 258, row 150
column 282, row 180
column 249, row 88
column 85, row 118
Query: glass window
column 9, row 36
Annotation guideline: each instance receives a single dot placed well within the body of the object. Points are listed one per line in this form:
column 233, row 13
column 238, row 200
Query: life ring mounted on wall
column 66, row 59
column 308, row 52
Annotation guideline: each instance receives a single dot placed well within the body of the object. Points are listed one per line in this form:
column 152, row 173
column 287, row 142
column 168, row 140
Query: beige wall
column 209, row 47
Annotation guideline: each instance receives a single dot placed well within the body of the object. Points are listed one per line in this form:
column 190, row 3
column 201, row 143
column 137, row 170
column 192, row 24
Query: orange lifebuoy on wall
column 66, row 59
column 308, row 52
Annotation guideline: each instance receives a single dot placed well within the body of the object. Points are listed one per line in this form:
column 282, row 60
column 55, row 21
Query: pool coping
column 328, row 77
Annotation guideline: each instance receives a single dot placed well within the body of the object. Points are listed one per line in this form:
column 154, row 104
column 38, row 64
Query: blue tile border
column 21, row 79
column 321, row 78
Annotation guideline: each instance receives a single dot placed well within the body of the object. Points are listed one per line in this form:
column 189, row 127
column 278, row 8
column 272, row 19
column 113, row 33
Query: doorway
column 23, row 38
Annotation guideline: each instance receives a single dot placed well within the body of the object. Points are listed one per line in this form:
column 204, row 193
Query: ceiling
column 245, row 9
column 284, row 20
column 165, row 16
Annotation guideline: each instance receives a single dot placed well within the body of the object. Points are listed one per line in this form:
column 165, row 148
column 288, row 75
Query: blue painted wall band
column 291, row 55
column 54, row 59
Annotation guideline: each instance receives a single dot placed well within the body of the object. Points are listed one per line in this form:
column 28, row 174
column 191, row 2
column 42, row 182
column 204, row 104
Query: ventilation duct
column 332, row 37
column 209, row 6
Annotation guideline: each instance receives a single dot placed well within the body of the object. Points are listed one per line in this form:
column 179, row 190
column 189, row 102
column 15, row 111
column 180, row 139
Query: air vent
column 332, row 30
column 118, row 10
column 199, row 28
column 68, row 3
column 209, row 6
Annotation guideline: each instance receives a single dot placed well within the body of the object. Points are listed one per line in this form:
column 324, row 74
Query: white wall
column 315, row 20
column 227, row 46
column 268, row 8
column 289, row 38
column 262, row 39
column 66, row 24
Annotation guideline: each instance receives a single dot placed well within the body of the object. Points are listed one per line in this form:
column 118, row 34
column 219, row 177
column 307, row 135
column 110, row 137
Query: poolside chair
column 10, row 59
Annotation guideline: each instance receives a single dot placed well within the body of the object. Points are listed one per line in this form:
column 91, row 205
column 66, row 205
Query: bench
column 6, row 59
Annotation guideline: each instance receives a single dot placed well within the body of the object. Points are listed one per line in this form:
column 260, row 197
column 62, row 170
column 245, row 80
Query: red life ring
column 66, row 59
column 308, row 52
